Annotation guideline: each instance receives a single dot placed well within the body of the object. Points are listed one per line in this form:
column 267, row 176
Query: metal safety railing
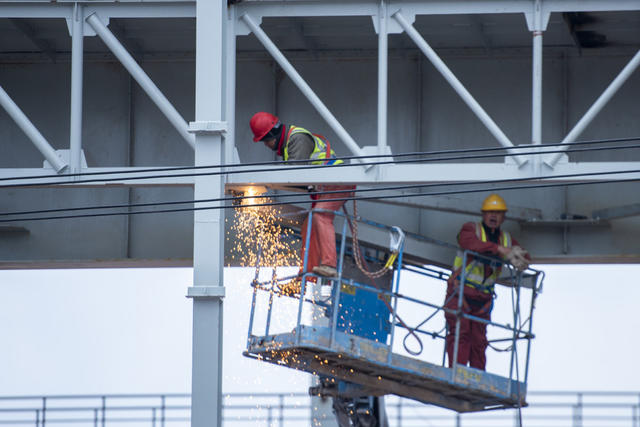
column 517, row 329
column 546, row 409
column 521, row 330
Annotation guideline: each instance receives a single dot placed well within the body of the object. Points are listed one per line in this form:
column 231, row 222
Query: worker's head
column 266, row 128
column 494, row 209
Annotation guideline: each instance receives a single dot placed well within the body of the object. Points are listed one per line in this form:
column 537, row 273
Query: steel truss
column 89, row 19
column 212, row 132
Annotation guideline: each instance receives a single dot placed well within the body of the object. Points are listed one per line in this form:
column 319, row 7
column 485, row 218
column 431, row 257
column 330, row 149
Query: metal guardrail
column 546, row 409
column 504, row 386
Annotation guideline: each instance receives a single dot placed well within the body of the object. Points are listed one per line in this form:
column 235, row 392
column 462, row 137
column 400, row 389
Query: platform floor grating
column 366, row 362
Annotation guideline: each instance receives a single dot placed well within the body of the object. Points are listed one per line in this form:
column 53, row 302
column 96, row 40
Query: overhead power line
column 304, row 163
column 374, row 197
column 305, row 167
column 288, row 195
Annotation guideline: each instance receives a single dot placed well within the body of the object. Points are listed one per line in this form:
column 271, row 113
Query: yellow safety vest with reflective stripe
column 322, row 153
column 474, row 271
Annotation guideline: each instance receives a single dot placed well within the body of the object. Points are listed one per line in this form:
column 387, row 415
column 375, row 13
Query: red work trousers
column 473, row 334
column 322, row 245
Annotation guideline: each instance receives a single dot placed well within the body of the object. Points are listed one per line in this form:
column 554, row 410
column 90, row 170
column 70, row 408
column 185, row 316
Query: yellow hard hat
column 493, row 202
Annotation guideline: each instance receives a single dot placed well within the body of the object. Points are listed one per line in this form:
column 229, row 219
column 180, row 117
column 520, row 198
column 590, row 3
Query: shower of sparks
column 259, row 240
column 256, row 232
column 256, row 238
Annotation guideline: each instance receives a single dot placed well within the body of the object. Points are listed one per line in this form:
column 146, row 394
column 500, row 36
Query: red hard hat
column 261, row 123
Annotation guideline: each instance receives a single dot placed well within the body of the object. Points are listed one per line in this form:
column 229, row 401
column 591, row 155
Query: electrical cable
column 289, row 168
column 431, row 316
column 363, row 266
column 276, row 162
column 516, row 324
column 355, row 190
column 440, row 193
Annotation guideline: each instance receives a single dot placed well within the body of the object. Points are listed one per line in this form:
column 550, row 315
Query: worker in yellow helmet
column 487, row 238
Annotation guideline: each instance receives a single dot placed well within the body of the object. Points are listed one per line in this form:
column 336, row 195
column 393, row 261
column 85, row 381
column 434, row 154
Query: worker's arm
column 504, row 252
column 300, row 147
column 467, row 239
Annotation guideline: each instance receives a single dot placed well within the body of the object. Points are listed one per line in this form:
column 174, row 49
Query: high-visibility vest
column 322, row 153
column 474, row 271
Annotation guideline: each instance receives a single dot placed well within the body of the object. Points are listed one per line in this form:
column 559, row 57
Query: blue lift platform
column 352, row 348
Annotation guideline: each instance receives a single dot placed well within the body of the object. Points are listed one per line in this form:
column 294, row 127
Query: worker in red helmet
column 296, row 143
column 487, row 238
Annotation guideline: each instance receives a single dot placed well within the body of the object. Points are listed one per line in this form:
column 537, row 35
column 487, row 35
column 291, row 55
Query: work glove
column 517, row 257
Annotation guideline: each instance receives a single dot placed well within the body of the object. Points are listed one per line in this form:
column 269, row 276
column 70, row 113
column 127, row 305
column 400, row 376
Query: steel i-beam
column 456, row 84
column 303, row 86
column 536, row 96
column 77, row 48
column 31, row 131
column 588, row 117
column 141, row 77
column 383, row 65
column 230, row 105
column 208, row 225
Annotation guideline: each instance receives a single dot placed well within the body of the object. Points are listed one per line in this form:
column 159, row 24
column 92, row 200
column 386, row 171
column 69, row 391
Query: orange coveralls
column 322, row 246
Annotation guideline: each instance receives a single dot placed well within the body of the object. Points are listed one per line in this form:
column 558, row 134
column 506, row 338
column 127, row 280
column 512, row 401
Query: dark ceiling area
column 146, row 39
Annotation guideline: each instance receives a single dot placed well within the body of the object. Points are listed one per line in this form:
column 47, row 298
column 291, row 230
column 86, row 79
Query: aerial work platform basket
column 346, row 331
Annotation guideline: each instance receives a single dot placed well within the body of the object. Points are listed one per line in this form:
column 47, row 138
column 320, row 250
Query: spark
column 258, row 233
column 258, row 240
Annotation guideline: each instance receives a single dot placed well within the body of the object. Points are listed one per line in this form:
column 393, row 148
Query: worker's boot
column 325, row 271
